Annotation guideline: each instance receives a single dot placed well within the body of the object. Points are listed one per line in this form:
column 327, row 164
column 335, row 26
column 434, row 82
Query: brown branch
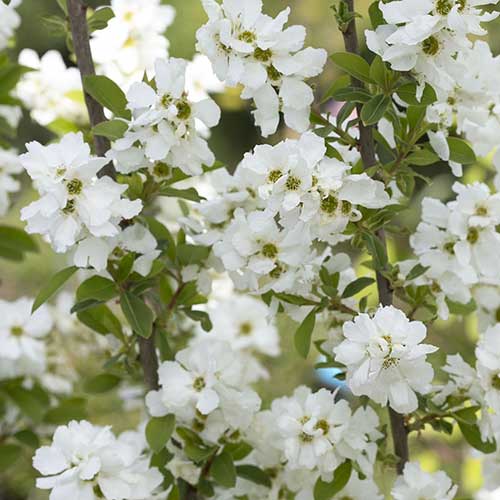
column 77, row 13
column 149, row 361
column 367, row 151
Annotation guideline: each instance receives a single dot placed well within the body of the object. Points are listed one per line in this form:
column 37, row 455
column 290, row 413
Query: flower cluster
column 51, row 91
column 162, row 133
column 309, row 435
column 88, row 461
column 203, row 388
column 133, row 39
column 432, row 39
column 385, row 359
column 252, row 49
column 75, row 204
column 457, row 242
column 269, row 219
column 480, row 384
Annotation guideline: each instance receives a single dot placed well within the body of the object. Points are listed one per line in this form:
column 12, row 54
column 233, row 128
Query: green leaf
column 191, row 254
column 158, row 431
column 460, row 151
column 223, row 470
column 9, row 454
column 98, row 288
column 99, row 19
column 68, row 409
column 376, row 250
column 353, row 64
column 408, row 92
column 138, row 314
column 376, row 16
column 186, row 194
column 422, row 157
column 201, row 316
column 295, row 299
column 107, row 93
column 416, row 271
column 472, row 435
column 102, row 320
column 32, row 402
column 356, row 286
column 302, row 338
column 374, row 109
column 13, row 238
column 112, row 129
column 28, row 438
column 238, row 451
column 341, row 475
column 54, row 284
column 101, row 383
column 254, row 474
column 351, row 94
column 63, row 5
column 461, row 309
column 379, row 72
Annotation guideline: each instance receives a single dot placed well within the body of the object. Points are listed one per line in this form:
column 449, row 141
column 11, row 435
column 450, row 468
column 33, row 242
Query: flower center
column 246, row 328
column 70, row 207
column 199, row 384
column 443, row 7
column 473, row 235
column 17, row 331
column 262, row 55
column 183, row 110
column 293, row 183
column 329, row 204
column 323, row 425
column 274, row 175
column 273, row 74
column 247, row 36
column 74, row 186
column 269, row 250
column 495, row 382
column 430, row 46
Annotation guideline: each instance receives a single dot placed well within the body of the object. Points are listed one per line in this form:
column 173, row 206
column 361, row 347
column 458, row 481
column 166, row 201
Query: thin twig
column 77, row 13
column 367, row 151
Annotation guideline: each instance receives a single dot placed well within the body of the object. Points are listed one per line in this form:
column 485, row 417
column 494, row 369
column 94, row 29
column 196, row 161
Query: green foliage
column 98, row 288
column 223, row 470
column 138, row 314
column 15, row 243
column 54, row 284
column 302, row 338
column 460, row 151
column 254, row 474
column 158, row 431
column 101, row 383
column 107, row 93
column 189, row 194
column 9, row 454
column 353, row 64
column 100, row 18
column 357, row 286
column 341, row 475
column 112, row 129
column 373, row 110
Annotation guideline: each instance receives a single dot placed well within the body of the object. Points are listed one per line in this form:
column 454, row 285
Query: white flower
column 22, row 338
column 164, row 124
column 488, row 366
column 10, row 22
column 133, row 39
column 204, row 383
column 415, row 484
column 9, row 166
column 311, row 424
column 51, row 90
column 250, row 48
column 83, row 456
column 385, row 359
column 74, row 203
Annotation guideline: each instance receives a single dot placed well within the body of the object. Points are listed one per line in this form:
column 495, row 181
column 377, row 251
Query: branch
column 367, row 151
column 77, row 13
column 149, row 361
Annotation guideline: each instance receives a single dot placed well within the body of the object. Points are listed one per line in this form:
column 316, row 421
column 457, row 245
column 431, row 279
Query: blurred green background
column 234, row 136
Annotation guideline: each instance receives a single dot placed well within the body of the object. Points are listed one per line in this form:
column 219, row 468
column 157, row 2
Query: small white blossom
column 415, row 484
column 385, row 358
column 83, row 457
column 9, row 167
column 74, row 203
column 10, row 21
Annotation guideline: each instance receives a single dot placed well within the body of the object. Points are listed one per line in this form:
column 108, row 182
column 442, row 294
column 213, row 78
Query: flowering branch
column 79, row 30
column 367, row 151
